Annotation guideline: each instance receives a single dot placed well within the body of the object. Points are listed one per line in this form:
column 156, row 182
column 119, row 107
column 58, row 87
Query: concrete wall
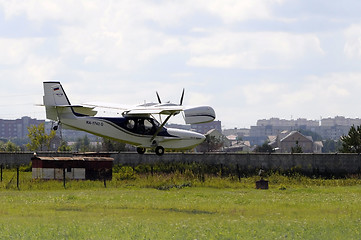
column 24, row 158
column 308, row 163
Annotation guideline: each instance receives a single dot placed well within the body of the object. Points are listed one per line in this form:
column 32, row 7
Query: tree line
column 39, row 140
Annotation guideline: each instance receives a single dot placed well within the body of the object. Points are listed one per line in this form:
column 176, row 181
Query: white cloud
column 199, row 98
column 239, row 56
column 260, row 50
column 15, row 51
column 335, row 94
column 118, row 34
column 261, row 93
column 232, row 10
column 352, row 47
column 64, row 10
column 311, row 97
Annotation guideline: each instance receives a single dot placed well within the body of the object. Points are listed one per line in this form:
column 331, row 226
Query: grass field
column 178, row 207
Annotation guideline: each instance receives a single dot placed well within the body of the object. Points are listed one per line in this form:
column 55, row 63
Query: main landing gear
column 140, row 150
column 159, row 150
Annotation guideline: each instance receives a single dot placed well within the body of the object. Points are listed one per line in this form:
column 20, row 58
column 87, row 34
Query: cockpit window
column 130, row 124
column 156, row 123
column 147, row 126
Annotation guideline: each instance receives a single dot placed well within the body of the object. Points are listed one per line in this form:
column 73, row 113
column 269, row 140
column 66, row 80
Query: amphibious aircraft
column 137, row 126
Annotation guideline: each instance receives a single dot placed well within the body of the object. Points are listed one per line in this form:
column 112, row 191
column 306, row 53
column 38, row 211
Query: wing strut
column 161, row 126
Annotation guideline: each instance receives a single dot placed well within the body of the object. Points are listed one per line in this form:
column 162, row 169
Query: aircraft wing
column 144, row 109
column 192, row 115
column 107, row 105
column 152, row 111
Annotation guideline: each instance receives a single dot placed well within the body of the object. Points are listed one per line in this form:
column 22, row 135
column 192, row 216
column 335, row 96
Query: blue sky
column 249, row 59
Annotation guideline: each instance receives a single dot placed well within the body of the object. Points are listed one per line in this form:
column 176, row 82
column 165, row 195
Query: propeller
column 181, row 100
column 158, row 98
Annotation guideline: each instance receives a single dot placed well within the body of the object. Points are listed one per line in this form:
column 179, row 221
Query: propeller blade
column 158, row 98
column 181, row 100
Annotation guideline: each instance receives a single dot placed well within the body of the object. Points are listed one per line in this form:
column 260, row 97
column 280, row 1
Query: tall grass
column 129, row 177
column 180, row 204
column 133, row 212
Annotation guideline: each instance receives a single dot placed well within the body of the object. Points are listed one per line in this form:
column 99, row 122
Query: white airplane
column 137, row 126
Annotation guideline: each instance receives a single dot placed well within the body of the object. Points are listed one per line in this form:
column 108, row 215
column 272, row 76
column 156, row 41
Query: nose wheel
column 56, row 126
column 159, row 150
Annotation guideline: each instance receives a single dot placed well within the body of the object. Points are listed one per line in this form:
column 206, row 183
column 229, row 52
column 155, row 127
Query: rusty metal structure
column 76, row 167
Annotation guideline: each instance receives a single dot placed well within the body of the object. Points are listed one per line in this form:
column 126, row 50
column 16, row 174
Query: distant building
column 327, row 128
column 285, row 141
column 334, row 128
column 340, row 121
column 287, row 123
column 205, row 127
column 239, row 132
column 274, row 126
column 17, row 128
column 235, row 145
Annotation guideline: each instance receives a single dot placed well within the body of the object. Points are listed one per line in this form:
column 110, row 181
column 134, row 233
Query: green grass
column 184, row 208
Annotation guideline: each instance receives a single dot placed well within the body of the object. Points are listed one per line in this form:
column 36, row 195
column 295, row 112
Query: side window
column 148, row 126
column 130, row 124
column 142, row 125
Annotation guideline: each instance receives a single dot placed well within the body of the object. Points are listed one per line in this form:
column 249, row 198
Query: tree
column 38, row 138
column 9, row 147
column 83, row 144
column 211, row 143
column 330, row 146
column 109, row 145
column 297, row 148
column 352, row 142
column 264, row 148
column 64, row 147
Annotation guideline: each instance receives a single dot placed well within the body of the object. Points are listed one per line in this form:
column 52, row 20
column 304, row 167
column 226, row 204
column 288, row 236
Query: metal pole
column 103, row 174
column 1, row 172
column 238, row 173
column 17, row 177
column 64, row 177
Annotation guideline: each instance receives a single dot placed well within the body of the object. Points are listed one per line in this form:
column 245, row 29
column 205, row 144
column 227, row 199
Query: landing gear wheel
column 140, row 150
column 159, row 150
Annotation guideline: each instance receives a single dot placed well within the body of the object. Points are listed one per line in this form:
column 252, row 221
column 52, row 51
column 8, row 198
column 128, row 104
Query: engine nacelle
column 201, row 114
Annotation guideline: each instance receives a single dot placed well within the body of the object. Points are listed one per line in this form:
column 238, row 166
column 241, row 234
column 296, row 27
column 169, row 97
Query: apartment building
column 327, row 128
column 17, row 128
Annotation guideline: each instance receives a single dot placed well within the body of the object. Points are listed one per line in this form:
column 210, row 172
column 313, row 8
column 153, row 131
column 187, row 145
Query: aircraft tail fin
column 54, row 94
column 55, row 100
column 58, row 106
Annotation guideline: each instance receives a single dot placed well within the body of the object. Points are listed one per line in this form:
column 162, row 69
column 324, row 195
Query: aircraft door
column 144, row 126
column 149, row 127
